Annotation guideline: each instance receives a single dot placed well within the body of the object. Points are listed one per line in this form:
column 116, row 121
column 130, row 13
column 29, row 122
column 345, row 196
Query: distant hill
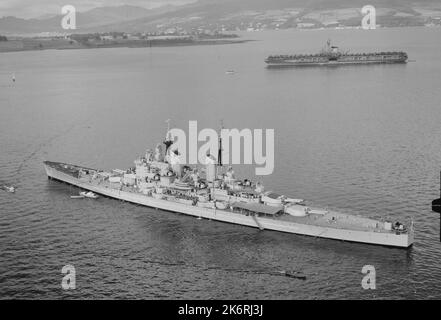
column 314, row 4
column 235, row 14
column 85, row 21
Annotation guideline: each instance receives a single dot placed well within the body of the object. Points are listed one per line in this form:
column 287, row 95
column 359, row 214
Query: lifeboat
column 89, row 194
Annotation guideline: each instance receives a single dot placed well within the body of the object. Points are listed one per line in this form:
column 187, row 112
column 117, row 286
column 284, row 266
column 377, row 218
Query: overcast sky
column 38, row 8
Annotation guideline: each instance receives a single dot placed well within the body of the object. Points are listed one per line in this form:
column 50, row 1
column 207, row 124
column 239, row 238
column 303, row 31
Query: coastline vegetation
column 113, row 40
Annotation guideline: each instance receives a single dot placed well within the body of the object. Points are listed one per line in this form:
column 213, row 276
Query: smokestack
column 210, row 163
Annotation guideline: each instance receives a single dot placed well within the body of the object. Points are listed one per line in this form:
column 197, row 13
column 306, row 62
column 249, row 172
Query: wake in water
column 280, row 273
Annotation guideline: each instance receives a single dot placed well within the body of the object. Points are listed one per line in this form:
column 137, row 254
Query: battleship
column 212, row 191
column 332, row 56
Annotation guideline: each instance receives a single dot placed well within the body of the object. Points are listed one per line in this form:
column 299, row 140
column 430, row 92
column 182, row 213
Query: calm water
column 365, row 139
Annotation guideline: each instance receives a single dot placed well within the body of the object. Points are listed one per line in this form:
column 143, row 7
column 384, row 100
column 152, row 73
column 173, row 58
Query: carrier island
column 212, row 191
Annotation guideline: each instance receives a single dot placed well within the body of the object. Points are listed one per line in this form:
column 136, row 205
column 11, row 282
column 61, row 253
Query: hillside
column 234, row 15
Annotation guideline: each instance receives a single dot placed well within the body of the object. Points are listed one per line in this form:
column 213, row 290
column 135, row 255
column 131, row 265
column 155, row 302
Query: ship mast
column 219, row 152
column 168, row 140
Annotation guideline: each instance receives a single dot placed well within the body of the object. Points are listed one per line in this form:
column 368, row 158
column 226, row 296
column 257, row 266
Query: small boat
column 88, row 194
column 291, row 274
column 9, row 189
column 77, row 197
column 230, row 72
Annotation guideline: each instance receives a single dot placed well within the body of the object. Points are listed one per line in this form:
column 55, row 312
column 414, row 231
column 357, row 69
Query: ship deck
column 330, row 218
column 338, row 221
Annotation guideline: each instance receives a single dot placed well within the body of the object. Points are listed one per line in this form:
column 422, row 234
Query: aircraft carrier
column 332, row 56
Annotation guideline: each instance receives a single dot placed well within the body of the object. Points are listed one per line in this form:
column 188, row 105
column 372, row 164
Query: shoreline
column 63, row 44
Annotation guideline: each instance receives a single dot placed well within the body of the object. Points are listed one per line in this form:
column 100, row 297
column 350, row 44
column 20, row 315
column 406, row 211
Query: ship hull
column 377, row 238
column 328, row 63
